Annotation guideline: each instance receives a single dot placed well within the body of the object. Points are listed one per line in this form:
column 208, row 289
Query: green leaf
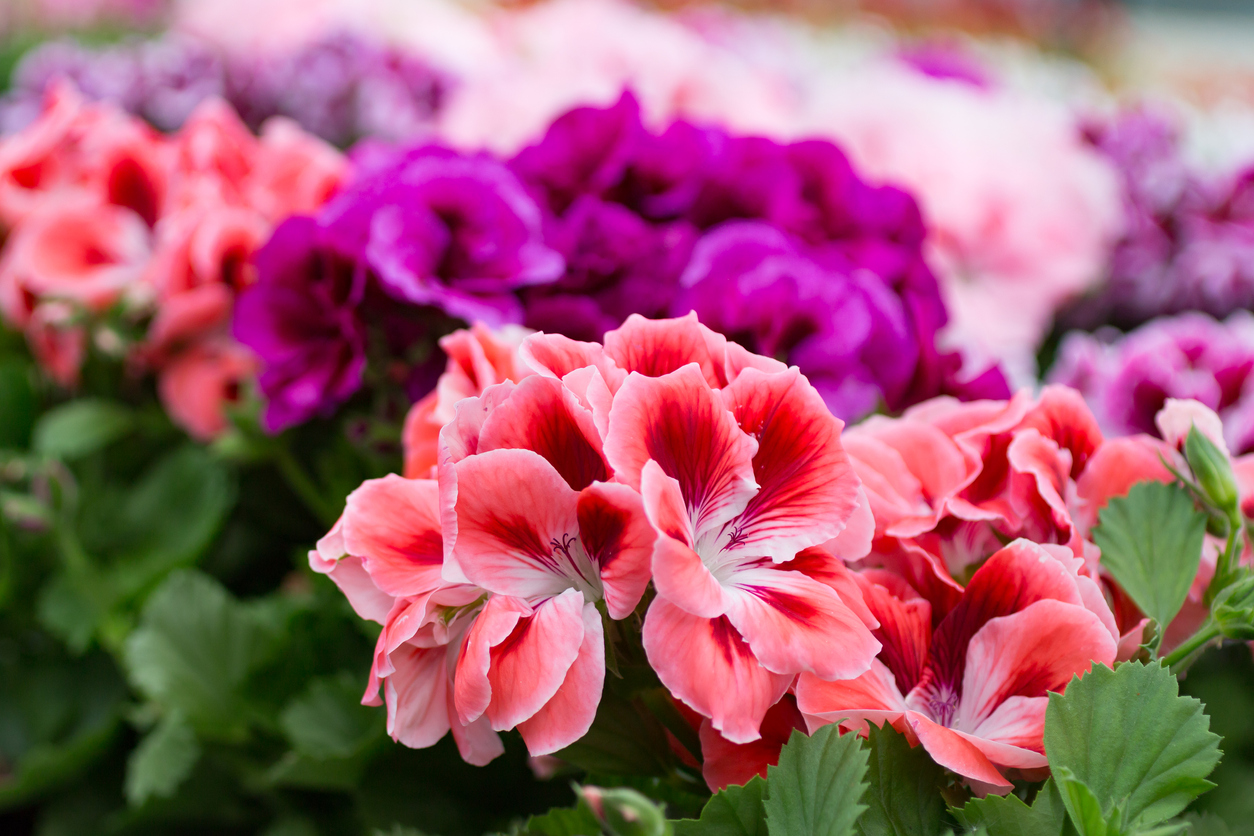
column 162, row 760
column 1128, row 734
column 904, row 797
column 564, row 821
column 17, row 404
column 1007, row 815
column 1084, row 808
column 194, row 648
column 734, row 811
column 81, row 427
column 328, row 719
column 817, row 786
column 1151, row 543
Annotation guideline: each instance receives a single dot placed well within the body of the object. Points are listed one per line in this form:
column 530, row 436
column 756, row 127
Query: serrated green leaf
column 328, row 720
column 816, row 789
column 733, row 811
column 194, row 648
column 904, row 797
column 1151, row 542
column 1083, row 807
column 162, row 760
column 1007, row 815
column 81, row 427
column 1128, row 734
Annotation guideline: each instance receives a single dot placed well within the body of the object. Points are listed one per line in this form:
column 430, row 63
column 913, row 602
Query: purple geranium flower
column 443, row 229
column 302, row 320
column 1128, row 378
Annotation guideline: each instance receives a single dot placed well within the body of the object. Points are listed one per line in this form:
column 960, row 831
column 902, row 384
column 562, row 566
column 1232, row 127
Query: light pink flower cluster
column 666, row 482
column 112, row 226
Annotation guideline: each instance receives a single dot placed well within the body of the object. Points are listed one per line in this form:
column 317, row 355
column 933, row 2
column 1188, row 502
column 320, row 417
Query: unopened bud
column 625, row 812
column 1233, row 610
column 1213, row 471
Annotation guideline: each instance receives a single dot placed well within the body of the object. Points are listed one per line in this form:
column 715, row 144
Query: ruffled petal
column 705, row 663
column 393, row 525
column 872, row 697
column 568, row 716
column 656, row 347
column 415, row 692
column 556, row 356
column 679, row 574
column 617, row 538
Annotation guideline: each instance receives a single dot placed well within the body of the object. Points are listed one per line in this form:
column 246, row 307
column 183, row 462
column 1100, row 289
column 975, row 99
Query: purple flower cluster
column 781, row 247
column 1127, row 378
column 340, row 87
column 1189, row 240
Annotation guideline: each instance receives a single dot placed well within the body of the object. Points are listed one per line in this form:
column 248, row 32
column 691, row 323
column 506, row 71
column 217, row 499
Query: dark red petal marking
column 729, row 641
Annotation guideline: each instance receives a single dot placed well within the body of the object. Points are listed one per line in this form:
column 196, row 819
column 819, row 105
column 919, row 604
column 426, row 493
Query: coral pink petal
column 556, row 356
column 1118, row 465
column 724, row 763
column 543, row 416
column 681, row 423
column 617, row 537
column 515, row 520
column 1062, row 416
column 820, row 565
column 793, row 623
column 706, row 664
column 415, row 692
column 531, row 663
column 678, row 572
column 568, row 716
column 955, row 751
column 854, row 543
column 393, row 525
column 656, row 347
column 1028, row 654
column 873, row 696
column 367, row 600
column 808, row 488
column 905, row 630
column 420, row 438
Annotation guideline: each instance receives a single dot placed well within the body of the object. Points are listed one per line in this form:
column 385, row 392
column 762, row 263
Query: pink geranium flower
column 973, row 690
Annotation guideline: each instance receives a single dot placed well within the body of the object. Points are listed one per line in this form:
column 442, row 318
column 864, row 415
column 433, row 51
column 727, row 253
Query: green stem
column 1208, row 633
column 300, row 482
column 1223, row 566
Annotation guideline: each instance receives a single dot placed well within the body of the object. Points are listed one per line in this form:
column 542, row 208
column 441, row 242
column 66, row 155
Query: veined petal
column 472, row 691
column 818, row 564
column 543, row 416
column 905, row 625
column 854, row 543
column 1062, row 416
column 531, row 663
column 873, row 696
column 681, row 423
column 556, row 356
column 568, row 716
column 955, row 751
column 617, row 538
column 656, row 347
column 1028, row 654
column 705, row 663
column 724, row 763
column 808, row 488
column 678, row 571
column 367, row 600
column 1018, row 722
column 393, row 525
column 515, row 519
column 793, row 624
column 415, row 692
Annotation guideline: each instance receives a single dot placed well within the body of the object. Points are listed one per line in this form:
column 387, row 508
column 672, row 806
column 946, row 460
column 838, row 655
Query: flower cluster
column 668, row 455
column 139, row 242
column 340, row 86
column 1127, row 379
column 1189, row 239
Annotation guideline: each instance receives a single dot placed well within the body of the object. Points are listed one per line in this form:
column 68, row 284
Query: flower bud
column 1233, row 610
column 625, row 812
column 1212, row 469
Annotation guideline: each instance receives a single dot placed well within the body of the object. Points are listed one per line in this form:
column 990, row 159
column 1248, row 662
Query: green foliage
column 573, row 821
column 81, row 427
column 734, row 811
column 1132, row 742
column 1151, row 542
column 1008, row 815
column 162, row 761
column 904, row 797
column 818, row 785
column 328, row 719
column 17, row 403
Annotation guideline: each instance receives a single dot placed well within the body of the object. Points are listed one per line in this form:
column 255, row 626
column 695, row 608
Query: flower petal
column 417, row 704
column 705, row 663
column 556, row 356
column 512, row 506
column 955, row 751
column 808, row 488
column 725, row 763
column 618, row 538
column 393, row 525
column 873, row 697
column 656, row 347
column 680, row 422
column 568, row 716
column 794, row 624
